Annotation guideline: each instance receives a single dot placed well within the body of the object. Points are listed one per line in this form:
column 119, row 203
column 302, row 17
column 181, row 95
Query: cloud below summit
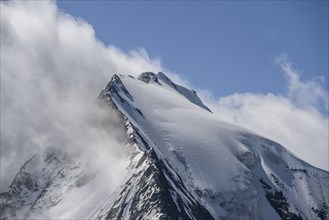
column 296, row 119
column 53, row 67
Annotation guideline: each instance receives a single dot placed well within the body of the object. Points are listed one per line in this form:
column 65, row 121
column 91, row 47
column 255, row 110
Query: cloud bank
column 297, row 119
column 52, row 69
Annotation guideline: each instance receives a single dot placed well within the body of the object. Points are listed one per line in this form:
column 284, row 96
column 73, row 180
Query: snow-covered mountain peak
column 147, row 77
column 219, row 161
column 184, row 164
column 161, row 79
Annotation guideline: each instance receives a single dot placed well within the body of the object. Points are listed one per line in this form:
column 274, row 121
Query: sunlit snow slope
column 185, row 164
column 234, row 172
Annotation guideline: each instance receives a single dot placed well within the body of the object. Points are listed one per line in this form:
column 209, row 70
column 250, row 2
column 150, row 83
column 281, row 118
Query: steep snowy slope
column 233, row 172
column 184, row 164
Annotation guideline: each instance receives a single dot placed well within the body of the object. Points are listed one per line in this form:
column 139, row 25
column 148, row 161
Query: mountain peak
column 184, row 164
column 163, row 80
column 146, row 76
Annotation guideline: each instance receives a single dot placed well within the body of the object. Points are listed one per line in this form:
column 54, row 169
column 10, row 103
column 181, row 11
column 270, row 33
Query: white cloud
column 307, row 94
column 52, row 69
column 295, row 119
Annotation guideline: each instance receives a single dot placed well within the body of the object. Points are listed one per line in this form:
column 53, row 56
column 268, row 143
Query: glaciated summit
column 161, row 79
column 184, row 164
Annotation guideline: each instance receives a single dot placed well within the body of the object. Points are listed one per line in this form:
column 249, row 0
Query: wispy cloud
column 52, row 69
column 295, row 119
column 305, row 94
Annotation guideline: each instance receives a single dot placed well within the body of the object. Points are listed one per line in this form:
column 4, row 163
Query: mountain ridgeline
column 183, row 164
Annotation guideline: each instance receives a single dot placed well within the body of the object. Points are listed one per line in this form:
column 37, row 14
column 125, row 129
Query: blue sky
column 222, row 46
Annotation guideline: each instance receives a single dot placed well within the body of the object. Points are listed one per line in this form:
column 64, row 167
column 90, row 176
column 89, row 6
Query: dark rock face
column 115, row 84
column 154, row 191
column 146, row 77
column 322, row 212
column 30, row 184
column 278, row 202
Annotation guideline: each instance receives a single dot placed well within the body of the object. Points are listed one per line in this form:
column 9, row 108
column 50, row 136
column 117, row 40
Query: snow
column 225, row 166
column 177, row 125
column 213, row 156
